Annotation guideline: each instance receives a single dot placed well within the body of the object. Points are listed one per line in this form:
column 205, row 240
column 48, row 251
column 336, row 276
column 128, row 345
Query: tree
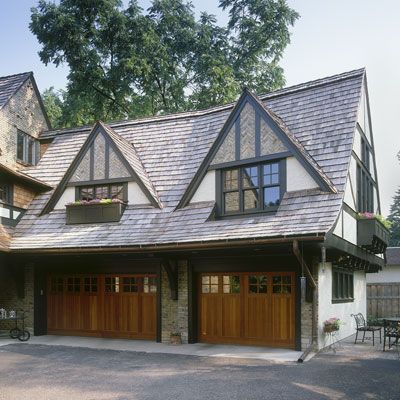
column 53, row 103
column 394, row 218
column 128, row 63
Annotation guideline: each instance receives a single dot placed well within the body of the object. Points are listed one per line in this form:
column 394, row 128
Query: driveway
column 33, row 371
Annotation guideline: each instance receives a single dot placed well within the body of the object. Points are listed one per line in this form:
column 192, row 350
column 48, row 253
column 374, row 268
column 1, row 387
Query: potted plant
column 331, row 325
column 175, row 338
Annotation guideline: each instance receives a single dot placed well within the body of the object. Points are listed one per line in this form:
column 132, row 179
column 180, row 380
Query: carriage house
column 236, row 224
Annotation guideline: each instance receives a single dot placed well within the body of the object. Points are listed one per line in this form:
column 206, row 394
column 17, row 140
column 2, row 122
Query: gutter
column 219, row 244
column 314, row 332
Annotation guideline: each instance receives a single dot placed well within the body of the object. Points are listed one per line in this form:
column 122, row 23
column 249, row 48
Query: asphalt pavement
column 45, row 372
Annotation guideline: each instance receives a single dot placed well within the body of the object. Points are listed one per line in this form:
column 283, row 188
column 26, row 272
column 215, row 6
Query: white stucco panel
column 357, row 143
column 349, row 228
column 348, row 194
column 68, row 196
column 136, row 195
column 343, row 311
column 339, row 225
column 206, row 189
column 297, row 177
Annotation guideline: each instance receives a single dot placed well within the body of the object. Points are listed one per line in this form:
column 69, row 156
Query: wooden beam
column 302, row 262
column 171, row 268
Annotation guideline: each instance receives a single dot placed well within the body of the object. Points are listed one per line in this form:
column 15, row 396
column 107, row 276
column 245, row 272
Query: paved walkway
column 144, row 346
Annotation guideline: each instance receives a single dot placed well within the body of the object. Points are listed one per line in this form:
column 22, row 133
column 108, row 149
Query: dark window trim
column 343, row 297
column 124, row 190
column 101, row 182
column 9, row 193
column 26, row 154
column 255, row 211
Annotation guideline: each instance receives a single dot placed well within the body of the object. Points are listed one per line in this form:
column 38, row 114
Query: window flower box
column 95, row 211
column 372, row 234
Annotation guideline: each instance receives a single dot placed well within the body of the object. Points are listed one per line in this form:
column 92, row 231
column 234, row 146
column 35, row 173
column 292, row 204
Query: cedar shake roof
column 320, row 115
column 393, row 256
column 10, row 84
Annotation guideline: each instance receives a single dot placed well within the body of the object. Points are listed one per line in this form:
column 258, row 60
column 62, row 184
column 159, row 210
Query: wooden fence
column 383, row 300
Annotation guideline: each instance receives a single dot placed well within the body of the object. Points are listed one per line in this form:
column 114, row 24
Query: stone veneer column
column 174, row 313
column 10, row 301
column 306, row 317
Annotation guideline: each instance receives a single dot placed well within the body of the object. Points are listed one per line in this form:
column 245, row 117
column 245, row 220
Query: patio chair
column 362, row 326
column 391, row 330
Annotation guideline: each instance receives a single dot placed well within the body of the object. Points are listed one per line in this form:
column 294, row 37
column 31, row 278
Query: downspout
column 314, row 331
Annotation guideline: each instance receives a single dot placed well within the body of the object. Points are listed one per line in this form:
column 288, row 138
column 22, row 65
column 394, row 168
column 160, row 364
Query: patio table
column 391, row 329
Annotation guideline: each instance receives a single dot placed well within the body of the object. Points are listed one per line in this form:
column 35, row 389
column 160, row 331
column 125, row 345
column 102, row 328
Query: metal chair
column 391, row 330
column 362, row 326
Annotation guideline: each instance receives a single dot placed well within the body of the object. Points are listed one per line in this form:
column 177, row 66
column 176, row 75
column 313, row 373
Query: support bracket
column 171, row 268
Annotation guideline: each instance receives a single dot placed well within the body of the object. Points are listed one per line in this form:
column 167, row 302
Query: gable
column 253, row 133
column 101, row 161
column 249, row 136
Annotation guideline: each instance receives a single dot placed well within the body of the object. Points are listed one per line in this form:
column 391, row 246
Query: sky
column 331, row 36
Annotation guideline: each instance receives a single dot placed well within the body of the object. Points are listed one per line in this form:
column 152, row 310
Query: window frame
column 261, row 209
column 78, row 189
column 339, row 277
column 30, row 155
column 8, row 189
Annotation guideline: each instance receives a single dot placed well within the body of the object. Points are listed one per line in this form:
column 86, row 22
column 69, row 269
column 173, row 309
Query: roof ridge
column 20, row 73
column 218, row 108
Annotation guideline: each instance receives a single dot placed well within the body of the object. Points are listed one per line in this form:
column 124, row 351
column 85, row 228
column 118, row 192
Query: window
column 282, row 284
column 252, row 188
column 209, row 284
column 365, row 191
column 27, row 148
column 365, row 153
column 258, row 284
column 342, row 286
column 231, row 284
column 90, row 284
column 5, row 193
column 112, row 191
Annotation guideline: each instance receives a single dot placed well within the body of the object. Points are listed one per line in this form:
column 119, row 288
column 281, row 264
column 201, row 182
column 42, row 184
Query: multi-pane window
column 258, row 284
column 209, row 284
column 342, row 285
column 73, row 284
column 231, row 284
column 5, row 193
column 365, row 191
column 111, row 284
column 365, row 153
column 149, row 284
column 113, row 191
column 90, row 284
column 251, row 188
column 27, row 148
column 282, row 284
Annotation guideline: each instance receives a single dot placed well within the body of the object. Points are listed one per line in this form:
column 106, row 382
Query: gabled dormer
column 254, row 161
column 107, row 169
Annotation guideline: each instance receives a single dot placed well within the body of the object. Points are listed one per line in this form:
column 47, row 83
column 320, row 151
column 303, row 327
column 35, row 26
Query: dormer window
column 112, row 191
column 252, row 188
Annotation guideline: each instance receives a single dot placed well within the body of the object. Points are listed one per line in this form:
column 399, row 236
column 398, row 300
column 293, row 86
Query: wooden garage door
column 102, row 305
column 247, row 308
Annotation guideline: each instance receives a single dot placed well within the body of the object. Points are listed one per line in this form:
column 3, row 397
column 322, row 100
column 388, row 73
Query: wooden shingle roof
column 321, row 116
column 10, row 84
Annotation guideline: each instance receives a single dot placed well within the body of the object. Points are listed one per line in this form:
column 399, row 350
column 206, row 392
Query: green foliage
column 125, row 62
column 53, row 103
column 394, row 218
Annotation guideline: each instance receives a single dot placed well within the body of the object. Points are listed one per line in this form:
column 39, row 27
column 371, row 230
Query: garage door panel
column 149, row 306
column 103, row 305
column 231, row 316
column 247, row 308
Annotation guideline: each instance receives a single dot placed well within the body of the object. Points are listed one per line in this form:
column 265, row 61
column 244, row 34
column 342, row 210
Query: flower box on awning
column 372, row 235
column 94, row 213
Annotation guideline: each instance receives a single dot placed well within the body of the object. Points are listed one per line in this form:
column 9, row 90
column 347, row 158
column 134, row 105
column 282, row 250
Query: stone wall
column 174, row 313
column 10, row 300
column 22, row 112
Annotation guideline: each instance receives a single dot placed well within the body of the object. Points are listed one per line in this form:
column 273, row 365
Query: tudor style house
column 22, row 119
column 236, row 224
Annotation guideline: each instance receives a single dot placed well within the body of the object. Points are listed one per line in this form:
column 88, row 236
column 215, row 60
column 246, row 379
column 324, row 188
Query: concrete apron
column 197, row 349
